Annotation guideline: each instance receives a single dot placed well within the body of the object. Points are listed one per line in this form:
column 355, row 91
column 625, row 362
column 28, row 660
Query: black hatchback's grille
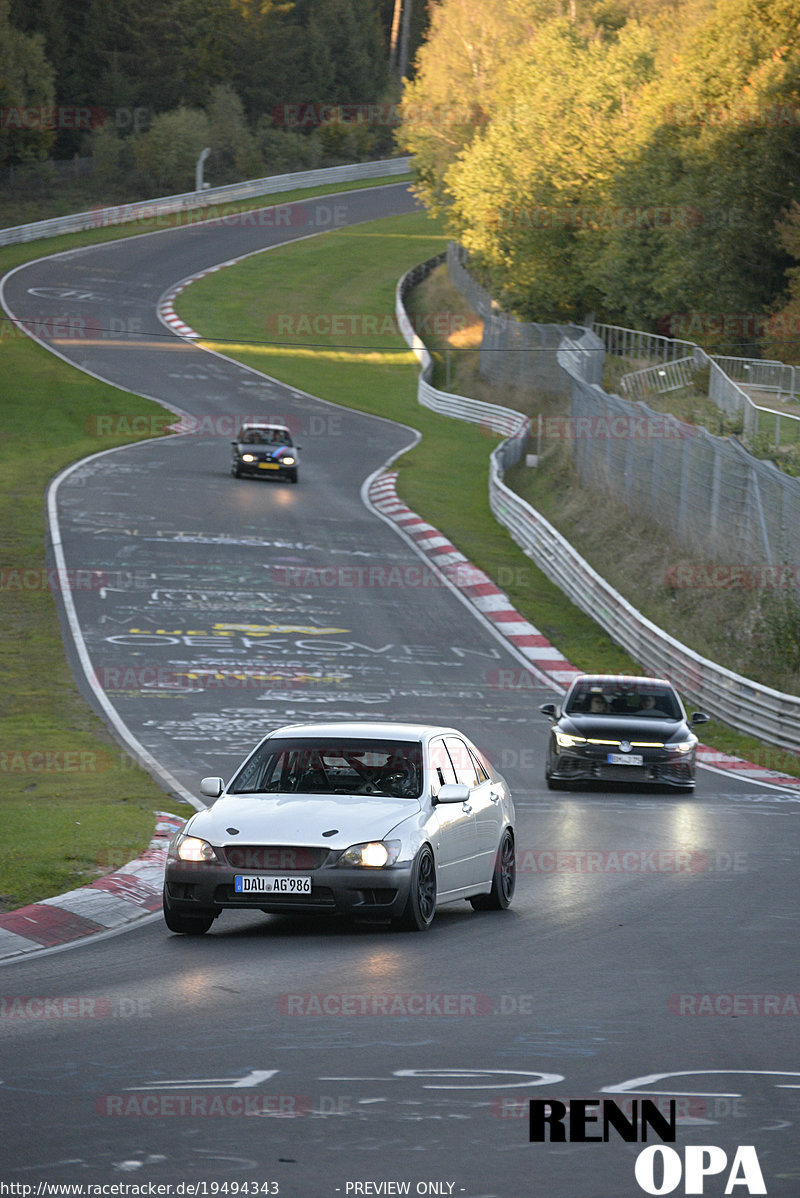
column 275, row 857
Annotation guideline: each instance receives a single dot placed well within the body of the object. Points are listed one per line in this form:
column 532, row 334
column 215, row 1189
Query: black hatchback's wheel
column 503, row 880
column 236, row 471
column 189, row 925
column 421, row 905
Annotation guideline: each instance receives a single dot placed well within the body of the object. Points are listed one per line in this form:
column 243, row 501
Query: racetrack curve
column 236, row 1058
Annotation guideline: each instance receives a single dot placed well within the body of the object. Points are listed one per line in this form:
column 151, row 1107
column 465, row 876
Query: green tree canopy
column 630, row 157
column 454, row 89
column 27, row 90
column 529, row 194
column 167, row 154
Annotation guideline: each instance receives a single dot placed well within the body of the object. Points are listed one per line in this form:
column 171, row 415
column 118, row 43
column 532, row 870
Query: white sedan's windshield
column 333, row 766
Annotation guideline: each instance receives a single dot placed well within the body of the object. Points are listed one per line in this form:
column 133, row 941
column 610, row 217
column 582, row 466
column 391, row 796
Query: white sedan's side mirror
column 453, row 792
column 212, row 787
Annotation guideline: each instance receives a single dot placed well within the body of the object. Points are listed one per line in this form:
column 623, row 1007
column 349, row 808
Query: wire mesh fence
column 515, row 353
column 708, row 492
column 650, row 458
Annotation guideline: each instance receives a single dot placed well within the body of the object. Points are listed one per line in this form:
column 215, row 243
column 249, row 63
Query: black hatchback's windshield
column 333, row 765
column 645, row 700
column 265, row 436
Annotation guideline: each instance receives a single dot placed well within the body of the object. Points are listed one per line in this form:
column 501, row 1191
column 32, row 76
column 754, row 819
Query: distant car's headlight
column 371, row 855
column 248, row 457
column 565, row 741
column 288, row 460
column 191, row 848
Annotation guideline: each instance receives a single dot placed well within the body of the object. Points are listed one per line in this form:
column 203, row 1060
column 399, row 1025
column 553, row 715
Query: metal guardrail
column 148, row 210
column 505, row 421
column 760, row 373
column 631, row 343
column 723, row 388
column 742, row 703
column 658, row 380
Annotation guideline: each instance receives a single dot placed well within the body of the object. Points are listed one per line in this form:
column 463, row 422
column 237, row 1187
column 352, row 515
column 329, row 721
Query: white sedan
column 381, row 821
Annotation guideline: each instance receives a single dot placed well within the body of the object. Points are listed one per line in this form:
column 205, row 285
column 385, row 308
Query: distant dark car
column 266, row 450
column 613, row 728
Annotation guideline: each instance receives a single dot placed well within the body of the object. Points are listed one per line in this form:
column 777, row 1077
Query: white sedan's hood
column 301, row 819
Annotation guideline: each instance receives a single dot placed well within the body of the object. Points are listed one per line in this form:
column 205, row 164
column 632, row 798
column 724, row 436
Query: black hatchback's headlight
column 566, row 740
column 681, row 746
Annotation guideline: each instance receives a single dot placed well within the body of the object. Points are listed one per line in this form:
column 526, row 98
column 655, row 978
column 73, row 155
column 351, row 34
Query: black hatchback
column 266, row 450
column 619, row 728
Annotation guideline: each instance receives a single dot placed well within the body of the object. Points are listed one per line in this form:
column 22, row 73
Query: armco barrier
column 147, row 209
column 504, row 421
column 743, row 704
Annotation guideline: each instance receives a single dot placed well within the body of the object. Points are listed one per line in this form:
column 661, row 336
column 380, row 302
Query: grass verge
column 351, row 275
column 73, row 805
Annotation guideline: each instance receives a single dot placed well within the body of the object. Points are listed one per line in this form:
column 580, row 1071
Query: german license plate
column 269, row 466
column 262, row 884
column 625, row 759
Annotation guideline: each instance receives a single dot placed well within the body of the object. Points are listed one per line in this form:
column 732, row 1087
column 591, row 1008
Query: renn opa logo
column 658, row 1169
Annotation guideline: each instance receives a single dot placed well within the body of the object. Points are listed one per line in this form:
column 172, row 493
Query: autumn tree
column 720, row 155
column 529, row 196
column 454, row 90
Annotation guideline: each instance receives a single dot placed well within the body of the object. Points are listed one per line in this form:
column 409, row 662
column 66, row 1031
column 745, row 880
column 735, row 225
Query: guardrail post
column 716, row 472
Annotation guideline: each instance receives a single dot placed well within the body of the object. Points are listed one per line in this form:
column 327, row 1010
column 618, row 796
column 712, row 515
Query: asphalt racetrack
column 309, row 1059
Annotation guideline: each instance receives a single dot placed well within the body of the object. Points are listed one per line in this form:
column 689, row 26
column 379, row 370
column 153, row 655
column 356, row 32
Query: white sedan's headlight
column 192, row 848
column 372, row 854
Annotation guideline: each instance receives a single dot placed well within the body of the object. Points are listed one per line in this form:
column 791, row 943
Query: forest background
column 635, row 161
